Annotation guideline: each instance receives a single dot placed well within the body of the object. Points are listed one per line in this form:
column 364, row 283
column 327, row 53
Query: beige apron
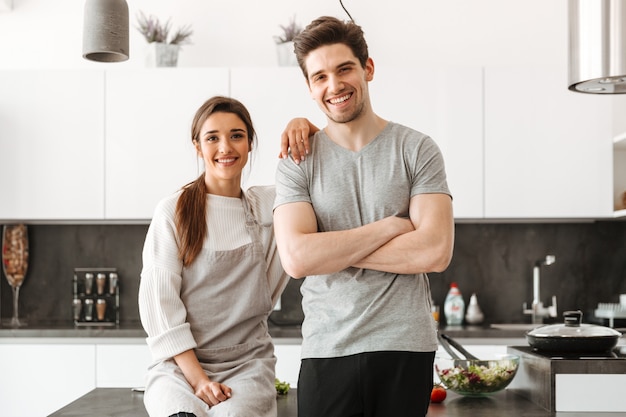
column 227, row 310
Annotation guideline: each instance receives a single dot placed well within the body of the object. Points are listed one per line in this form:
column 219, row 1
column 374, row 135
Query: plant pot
column 162, row 55
column 286, row 55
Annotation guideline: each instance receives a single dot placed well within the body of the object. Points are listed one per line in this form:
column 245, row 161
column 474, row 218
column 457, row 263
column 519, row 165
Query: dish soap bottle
column 474, row 314
column 454, row 306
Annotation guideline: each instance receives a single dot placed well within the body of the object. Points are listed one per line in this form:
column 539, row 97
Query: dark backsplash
column 492, row 260
column 55, row 250
column 495, row 261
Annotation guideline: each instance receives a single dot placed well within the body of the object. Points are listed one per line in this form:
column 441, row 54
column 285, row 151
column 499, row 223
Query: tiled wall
column 493, row 260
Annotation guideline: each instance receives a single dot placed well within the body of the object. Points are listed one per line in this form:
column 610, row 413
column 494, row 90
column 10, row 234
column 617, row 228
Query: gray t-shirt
column 363, row 310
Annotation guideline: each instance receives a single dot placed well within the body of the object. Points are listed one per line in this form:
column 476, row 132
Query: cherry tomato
column 438, row 394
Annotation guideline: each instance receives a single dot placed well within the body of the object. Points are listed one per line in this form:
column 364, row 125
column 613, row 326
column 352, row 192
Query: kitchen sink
column 515, row 326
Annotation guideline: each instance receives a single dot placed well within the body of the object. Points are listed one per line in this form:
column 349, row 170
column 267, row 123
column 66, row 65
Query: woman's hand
column 212, row 392
column 208, row 391
column 295, row 138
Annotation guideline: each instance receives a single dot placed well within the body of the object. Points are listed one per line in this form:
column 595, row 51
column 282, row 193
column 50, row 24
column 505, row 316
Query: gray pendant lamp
column 105, row 31
column 597, row 46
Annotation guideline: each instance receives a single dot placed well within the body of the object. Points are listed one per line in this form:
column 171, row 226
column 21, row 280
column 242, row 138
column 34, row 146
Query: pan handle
column 458, row 346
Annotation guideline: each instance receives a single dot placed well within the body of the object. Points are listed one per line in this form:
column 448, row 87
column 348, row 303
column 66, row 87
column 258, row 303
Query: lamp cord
column 344, row 9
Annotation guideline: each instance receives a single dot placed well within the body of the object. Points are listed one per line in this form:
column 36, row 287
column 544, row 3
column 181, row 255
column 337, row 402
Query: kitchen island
column 122, row 402
column 73, row 361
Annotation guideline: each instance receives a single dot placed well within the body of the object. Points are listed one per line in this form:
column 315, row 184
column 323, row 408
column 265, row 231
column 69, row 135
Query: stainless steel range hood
column 597, row 46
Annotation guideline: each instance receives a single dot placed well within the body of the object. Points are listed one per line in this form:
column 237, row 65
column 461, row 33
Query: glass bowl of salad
column 476, row 378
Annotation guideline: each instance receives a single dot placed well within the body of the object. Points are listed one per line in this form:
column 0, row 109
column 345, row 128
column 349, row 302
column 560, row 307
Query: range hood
column 597, row 46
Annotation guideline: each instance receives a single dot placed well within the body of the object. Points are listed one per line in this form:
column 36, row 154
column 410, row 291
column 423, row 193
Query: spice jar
column 101, row 308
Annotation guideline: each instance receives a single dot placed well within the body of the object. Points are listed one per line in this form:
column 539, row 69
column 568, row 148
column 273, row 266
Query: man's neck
column 355, row 135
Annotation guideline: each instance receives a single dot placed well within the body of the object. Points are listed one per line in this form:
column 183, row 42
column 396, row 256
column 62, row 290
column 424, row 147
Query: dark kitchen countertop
column 134, row 330
column 281, row 335
column 122, row 402
column 286, row 333
column 67, row 330
column 130, row 330
column 501, row 404
column 480, row 332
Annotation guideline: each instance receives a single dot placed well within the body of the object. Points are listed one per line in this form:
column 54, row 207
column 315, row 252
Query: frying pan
column 572, row 336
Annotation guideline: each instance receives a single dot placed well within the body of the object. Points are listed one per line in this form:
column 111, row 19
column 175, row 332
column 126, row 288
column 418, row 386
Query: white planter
column 286, row 55
column 162, row 55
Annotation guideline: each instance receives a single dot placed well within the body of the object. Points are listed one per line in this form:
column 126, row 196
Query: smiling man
column 363, row 217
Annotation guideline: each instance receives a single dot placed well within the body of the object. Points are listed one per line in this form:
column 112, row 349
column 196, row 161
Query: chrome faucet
column 538, row 311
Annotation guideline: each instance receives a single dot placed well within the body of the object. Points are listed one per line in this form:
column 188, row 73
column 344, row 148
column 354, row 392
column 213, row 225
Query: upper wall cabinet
column 548, row 151
column 149, row 153
column 273, row 96
column 94, row 145
column 51, row 145
column 446, row 104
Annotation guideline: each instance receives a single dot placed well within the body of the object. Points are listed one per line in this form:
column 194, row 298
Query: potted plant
column 164, row 48
column 284, row 43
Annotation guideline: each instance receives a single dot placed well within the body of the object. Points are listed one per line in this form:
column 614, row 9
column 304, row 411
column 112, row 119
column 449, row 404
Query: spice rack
column 96, row 297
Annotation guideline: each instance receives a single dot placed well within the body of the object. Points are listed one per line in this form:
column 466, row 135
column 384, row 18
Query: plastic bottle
column 454, row 306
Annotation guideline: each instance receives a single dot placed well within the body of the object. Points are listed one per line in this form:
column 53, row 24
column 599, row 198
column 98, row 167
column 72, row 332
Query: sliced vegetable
column 282, row 387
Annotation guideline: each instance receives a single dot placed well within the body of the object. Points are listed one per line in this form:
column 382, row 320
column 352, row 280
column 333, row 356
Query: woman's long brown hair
column 190, row 217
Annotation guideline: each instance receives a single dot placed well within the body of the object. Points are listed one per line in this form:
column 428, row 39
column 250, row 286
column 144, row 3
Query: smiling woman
column 224, row 145
column 210, row 277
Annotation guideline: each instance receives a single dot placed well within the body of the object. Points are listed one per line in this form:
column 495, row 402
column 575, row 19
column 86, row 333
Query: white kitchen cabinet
column 38, row 379
column 94, row 145
column 548, row 150
column 273, row 96
column 288, row 362
column 480, row 351
column 52, row 144
column 122, row 365
column 445, row 103
column 149, row 153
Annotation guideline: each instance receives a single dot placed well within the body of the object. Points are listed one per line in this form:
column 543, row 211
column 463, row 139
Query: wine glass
column 15, row 262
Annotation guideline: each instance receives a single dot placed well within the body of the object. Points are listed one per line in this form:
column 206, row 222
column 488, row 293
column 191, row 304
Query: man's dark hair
column 328, row 30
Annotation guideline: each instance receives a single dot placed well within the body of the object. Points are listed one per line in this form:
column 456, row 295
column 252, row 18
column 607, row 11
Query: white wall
column 48, row 33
